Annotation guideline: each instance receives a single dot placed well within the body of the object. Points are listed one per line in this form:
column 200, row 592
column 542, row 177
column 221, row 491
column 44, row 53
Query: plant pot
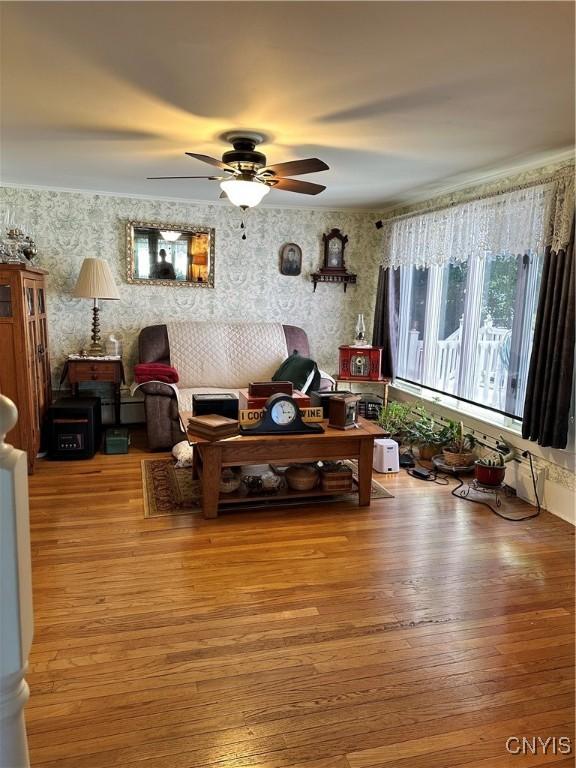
column 491, row 476
column 426, row 452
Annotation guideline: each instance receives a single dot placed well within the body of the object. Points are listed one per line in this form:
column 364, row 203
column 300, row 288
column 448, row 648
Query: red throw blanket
column 155, row 372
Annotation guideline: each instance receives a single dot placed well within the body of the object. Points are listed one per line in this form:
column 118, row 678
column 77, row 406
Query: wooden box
column 247, row 402
column 343, row 411
column 267, row 388
column 336, row 479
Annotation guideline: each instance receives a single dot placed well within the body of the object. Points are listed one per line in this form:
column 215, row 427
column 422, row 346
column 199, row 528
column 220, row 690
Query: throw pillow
column 301, row 371
column 183, row 453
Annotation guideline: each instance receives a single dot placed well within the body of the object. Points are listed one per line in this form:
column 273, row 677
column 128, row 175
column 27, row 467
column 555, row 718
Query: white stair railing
column 16, row 619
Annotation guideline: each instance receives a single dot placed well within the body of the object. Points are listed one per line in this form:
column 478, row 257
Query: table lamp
column 95, row 281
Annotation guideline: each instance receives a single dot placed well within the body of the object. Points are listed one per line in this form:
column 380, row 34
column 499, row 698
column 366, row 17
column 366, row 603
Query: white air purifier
column 386, row 456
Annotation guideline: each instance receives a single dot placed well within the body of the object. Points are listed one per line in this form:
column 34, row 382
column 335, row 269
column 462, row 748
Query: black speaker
column 73, row 428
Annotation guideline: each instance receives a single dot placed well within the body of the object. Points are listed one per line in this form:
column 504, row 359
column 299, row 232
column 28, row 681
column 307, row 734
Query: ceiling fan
column 247, row 178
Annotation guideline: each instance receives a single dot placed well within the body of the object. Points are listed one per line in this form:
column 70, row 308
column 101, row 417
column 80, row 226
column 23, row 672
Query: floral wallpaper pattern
column 68, row 226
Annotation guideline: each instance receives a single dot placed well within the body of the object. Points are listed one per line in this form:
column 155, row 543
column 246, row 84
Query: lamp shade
column 95, row 281
column 244, row 194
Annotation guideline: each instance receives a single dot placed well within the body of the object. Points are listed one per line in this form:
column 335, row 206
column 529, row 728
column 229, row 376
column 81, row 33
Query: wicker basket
column 301, row 477
column 464, row 459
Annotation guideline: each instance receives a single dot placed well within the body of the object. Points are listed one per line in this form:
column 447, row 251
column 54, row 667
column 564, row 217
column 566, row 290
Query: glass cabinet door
column 30, row 308
column 5, row 300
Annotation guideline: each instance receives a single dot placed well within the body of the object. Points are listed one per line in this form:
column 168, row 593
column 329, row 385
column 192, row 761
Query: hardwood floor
column 421, row 632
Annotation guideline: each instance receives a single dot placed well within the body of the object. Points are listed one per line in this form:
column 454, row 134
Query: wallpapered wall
column 68, row 226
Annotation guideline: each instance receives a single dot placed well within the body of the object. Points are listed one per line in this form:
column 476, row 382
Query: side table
column 382, row 382
column 92, row 369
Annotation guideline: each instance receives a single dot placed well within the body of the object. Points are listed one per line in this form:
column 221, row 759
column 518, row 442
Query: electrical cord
column 443, row 479
column 455, row 493
column 433, row 477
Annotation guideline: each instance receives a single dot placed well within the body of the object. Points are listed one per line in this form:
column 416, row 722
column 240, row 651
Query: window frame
column 525, row 302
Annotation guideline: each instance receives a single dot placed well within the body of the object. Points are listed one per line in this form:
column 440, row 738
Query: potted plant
column 490, row 470
column 426, row 433
column 458, row 451
column 395, row 419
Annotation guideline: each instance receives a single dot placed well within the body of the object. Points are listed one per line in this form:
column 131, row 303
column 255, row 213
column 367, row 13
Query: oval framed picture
column 290, row 259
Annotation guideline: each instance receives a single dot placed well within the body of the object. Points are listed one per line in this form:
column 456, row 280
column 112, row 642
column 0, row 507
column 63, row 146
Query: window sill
column 485, row 424
column 485, row 415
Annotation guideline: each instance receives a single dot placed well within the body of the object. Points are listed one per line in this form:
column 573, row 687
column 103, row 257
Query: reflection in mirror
column 169, row 254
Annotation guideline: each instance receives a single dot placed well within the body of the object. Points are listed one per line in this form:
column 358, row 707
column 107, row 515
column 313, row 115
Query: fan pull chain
column 242, row 226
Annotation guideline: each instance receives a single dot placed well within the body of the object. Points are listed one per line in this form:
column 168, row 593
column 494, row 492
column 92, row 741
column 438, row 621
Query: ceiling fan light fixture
column 170, row 235
column 244, row 194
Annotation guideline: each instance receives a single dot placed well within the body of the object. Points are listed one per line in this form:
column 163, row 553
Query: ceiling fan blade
column 212, row 178
column 294, row 185
column 296, row 167
column 212, row 161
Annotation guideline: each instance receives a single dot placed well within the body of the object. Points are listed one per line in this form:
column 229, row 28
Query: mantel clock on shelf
column 333, row 269
column 334, row 244
column 360, row 363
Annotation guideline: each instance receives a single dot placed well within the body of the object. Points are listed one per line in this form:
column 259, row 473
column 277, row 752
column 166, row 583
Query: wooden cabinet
column 24, row 358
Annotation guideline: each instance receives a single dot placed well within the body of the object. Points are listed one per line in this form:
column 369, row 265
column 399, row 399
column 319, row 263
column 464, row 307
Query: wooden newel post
column 16, row 619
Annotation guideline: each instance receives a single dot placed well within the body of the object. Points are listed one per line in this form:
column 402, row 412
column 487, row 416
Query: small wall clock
column 334, row 244
column 333, row 268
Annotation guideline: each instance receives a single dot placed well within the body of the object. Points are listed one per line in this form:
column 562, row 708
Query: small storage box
column 322, row 398
column 116, row 440
column 337, row 479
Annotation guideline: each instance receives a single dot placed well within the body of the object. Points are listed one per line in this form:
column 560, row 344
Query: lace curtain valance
column 511, row 223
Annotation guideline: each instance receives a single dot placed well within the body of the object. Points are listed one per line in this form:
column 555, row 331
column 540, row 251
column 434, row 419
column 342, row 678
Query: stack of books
column 212, row 426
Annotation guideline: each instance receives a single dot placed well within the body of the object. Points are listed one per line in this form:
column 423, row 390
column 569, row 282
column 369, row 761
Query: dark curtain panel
column 550, row 378
column 385, row 332
column 511, row 405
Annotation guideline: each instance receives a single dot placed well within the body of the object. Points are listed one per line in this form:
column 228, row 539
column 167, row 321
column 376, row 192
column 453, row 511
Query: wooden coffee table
column 332, row 444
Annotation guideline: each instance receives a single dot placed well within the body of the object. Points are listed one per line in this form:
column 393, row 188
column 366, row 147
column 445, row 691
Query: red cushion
column 155, row 372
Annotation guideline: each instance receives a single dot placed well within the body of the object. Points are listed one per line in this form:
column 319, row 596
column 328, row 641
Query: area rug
column 171, row 491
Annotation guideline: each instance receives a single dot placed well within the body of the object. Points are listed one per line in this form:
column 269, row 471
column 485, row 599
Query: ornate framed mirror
column 169, row 254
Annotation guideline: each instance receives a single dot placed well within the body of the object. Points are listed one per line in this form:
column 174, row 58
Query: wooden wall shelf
column 344, row 278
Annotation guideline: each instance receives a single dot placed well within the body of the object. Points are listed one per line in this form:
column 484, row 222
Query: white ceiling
column 394, row 96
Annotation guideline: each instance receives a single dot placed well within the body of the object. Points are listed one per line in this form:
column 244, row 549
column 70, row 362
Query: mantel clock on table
column 361, row 364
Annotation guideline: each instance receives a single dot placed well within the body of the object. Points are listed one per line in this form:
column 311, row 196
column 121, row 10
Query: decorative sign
column 250, row 417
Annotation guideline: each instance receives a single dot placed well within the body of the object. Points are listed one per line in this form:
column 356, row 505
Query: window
column 469, row 281
column 466, row 329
